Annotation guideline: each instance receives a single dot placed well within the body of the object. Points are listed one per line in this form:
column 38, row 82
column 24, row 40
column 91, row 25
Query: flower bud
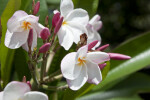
column 36, row 8
column 44, row 48
column 45, row 33
column 58, row 25
column 117, row 56
column 46, row 20
column 92, row 44
column 28, row 82
column 102, row 48
column 55, row 19
column 24, row 79
column 101, row 66
column 30, row 38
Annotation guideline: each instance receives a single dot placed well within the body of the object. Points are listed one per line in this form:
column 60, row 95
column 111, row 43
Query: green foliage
column 7, row 55
column 3, row 4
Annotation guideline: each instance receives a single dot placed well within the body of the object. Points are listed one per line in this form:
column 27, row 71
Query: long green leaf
column 139, row 60
column 6, row 55
column 3, row 4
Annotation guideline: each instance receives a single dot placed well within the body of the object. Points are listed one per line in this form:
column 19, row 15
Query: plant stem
column 54, row 88
column 43, row 67
column 51, row 79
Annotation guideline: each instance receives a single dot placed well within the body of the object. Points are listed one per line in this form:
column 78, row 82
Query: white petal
column 38, row 27
column 16, row 39
column 77, row 30
column 98, row 57
column 65, row 37
column 30, row 18
column 35, row 96
column 13, row 23
column 1, row 95
column 78, row 16
column 97, row 26
column 14, row 90
column 82, row 52
column 65, row 7
column 94, row 19
column 79, row 81
column 94, row 73
column 68, row 67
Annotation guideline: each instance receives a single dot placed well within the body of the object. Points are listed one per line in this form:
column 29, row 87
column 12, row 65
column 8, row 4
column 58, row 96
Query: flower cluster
column 70, row 26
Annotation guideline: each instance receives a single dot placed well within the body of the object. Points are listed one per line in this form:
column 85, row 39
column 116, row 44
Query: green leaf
column 140, row 53
column 26, row 5
column 89, row 5
column 127, row 88
column 87, row 87
column 6, row 56
column 3, row 4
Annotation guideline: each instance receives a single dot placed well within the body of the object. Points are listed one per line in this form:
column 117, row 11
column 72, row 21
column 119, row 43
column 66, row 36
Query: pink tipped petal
column 98, row 25
column 55, row 19
column 1, row 95
column 35, row 96
column 98, row 57
column 69, row 68
column 101, row 66
column 36, row 8
column 58, row 25
column 30, row 38
column 15, row 90
column 94, row 73
column 95, row 19
column 44, row 48
column 28, row 82
column 92, row 44
column 78, row 16
column 117, row 56
column 77, row 83
column 45, row 33
column 66, row 7
column 102, row 48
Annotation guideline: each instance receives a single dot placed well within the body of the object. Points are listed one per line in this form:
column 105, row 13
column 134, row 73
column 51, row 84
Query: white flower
column 79, row 67
column 20, row 91
column 18, row 27
column 73, row 24
column 93, row 26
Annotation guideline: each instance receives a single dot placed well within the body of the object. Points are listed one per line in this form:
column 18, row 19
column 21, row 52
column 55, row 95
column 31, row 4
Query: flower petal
column 14, row 90
column 1, row 95
column 65, row 7
column 94, row 19
column 13, row 23
column 82, row 52
column 38, row 27
column 97, row 26
column 16, row 39
column 65, row 37
column 35, row 96
column 94, row 73
column 98, row 57
column 78, row 16
column 77, row 83
column 68, row 67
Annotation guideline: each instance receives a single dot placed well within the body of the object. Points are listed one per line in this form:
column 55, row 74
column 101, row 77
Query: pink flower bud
column 58, row 25
column 46, row 20
column 102, row 47
column 44, row 48
column 45, row 33
column 36, row 8
column 28, row 82
column 55, row 19
column 101, row 66
column 117, row 56
column 92, row 44
column 30, row 38
column 24, row 79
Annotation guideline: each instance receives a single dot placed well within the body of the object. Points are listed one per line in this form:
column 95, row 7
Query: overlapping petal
column 82, row 52
column 1, row 95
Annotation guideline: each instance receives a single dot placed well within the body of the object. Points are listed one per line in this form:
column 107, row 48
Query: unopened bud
column 28, row 82
column 46, row 20
column 33, row 5
column 30, row 38
column 58, row 25
column 24, row 79
column 117, row 56
column 102, row 48
column 45, row 33
column 55, row 19
column 44, row 48
column 92, row 44
column 101, row 66
column 36, row 8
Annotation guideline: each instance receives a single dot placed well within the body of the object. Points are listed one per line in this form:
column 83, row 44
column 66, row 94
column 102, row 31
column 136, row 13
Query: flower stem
column 55, row 88
column 51, row 79
column 43, row 67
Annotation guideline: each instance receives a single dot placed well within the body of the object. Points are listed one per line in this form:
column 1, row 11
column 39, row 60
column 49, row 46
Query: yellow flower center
column 26, row 25
column 64, row 23
column 81, row 61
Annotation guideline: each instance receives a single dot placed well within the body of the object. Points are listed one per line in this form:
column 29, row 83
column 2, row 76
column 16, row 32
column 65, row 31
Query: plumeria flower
column 73, row 24
column 81, row 66
column 18, row 27
column 93, row 26
column 20, row 91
